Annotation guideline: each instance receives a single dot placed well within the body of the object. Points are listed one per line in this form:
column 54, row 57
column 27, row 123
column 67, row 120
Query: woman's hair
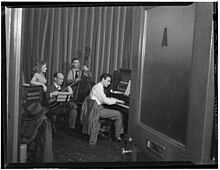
column 38, row 66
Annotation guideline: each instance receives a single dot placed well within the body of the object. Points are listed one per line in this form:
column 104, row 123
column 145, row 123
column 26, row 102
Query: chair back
column 90, row 119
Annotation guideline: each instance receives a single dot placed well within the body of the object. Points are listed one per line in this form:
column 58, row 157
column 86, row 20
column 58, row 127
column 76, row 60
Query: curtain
column 57, row 34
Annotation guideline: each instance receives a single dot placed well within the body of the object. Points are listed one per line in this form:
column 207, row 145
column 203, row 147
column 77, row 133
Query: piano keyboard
column 122, row 105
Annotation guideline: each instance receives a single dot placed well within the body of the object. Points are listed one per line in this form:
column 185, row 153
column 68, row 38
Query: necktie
column 76, row 76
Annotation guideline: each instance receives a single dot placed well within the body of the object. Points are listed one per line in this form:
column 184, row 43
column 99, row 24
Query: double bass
column 85, row 84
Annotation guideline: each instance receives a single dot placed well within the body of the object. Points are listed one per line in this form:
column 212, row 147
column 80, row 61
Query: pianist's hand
column 120, row 101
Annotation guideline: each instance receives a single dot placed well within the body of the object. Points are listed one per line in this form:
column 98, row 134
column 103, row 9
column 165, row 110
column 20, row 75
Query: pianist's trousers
column 114, row 115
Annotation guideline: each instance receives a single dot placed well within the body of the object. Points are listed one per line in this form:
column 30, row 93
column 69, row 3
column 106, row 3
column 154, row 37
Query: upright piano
column 120, row 89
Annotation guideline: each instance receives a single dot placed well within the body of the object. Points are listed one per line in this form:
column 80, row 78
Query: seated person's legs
column 114, row 115
column 72, row 113
column 72, row 118
column 53, row 113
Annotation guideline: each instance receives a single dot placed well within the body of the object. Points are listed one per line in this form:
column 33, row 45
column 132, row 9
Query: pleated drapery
column 56, row 35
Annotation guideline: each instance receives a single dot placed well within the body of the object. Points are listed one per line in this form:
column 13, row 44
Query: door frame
column 13, row 27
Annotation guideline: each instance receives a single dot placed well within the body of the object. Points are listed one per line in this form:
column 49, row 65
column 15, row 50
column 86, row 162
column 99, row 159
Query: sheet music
column 63, row 93
column 128, row 89
column 63, row 96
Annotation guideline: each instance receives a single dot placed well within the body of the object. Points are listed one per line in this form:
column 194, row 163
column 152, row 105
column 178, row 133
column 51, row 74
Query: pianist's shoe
column 119, row 139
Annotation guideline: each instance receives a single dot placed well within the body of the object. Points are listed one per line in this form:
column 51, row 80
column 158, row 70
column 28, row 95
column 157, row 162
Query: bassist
column 75, row 74
column 77, row 71
column 81, row 75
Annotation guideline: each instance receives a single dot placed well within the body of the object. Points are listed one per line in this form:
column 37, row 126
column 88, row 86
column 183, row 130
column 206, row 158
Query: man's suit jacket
column 51, row 88
column 90, row 119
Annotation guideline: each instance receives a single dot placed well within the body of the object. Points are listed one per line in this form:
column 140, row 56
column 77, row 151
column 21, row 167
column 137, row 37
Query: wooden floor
column 75, row 148
column 75, row 151
column 72, row 151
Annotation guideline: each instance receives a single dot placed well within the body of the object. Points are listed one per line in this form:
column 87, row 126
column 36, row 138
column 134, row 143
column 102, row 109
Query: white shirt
column 72, row 74
column 97, row 93
column 57, row 86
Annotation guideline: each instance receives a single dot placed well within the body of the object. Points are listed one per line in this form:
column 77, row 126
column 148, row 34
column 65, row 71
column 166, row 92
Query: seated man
column 97, row 93
column 53, row 90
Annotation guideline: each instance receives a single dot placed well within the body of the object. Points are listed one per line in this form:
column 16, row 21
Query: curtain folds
column 56, row 35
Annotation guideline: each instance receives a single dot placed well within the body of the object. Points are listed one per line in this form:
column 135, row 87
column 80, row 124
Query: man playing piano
column 97, row 93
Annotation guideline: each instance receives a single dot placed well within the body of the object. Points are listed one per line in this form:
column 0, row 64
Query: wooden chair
column 59, row 118
column 91, row 121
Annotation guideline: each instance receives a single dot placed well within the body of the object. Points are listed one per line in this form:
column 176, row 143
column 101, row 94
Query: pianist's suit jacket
column 90, row 119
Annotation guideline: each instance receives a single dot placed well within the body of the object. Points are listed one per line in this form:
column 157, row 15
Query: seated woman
column 39, row 71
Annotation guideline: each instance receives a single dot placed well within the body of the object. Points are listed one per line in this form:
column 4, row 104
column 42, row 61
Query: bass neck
column 72, row 84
